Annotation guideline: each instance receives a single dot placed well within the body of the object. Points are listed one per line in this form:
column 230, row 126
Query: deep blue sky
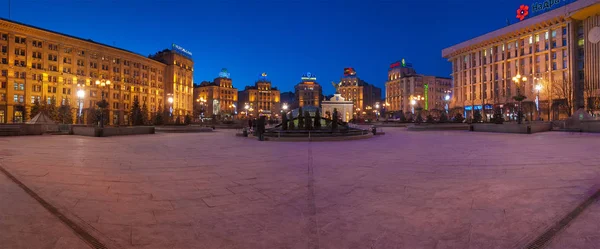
column 284, row 38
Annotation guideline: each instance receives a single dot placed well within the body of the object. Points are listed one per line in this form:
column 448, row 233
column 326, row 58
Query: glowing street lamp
column 102, row 104
column 518, row 79
column 80, row 96
column 538, row 87
column 170, row 100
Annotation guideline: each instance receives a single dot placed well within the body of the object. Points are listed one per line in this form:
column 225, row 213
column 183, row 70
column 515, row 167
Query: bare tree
column 562, row 89
column 588, row 92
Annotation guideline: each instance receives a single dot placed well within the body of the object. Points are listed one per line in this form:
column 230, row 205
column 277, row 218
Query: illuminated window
column 546, row 35
column 553, row 33
column 530, row 39
column 537, row 37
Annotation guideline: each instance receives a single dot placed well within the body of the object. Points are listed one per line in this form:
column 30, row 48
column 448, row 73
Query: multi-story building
column 553, row 47
column 404, row 85
column 216, row 98
column 178, row 79
column 288, row 98
column 308, row 91
column 262, row 99
column 362, row 94
column 38, row 64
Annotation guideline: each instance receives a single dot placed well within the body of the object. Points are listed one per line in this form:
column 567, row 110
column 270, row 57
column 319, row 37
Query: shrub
column 477, row 116
column 458, row 118
column 443, row 117
column 429, row 119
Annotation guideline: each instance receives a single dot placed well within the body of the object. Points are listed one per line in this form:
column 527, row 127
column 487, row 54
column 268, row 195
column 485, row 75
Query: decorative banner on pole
column 426, row 96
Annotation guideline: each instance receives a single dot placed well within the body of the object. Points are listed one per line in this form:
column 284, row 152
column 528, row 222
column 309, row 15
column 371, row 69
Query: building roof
column 565, row 11
column 77, row 38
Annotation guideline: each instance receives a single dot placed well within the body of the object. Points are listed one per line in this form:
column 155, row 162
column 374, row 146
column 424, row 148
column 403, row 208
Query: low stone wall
column 21, row 129
column 183, row 129
column 590, row 126
column 513, row 127
column 316, row 139
column 390, row 124
column 111, row 131
column 436, row 127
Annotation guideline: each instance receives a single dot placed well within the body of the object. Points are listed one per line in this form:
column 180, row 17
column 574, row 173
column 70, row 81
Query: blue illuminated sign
column 540, row 7
column 224, row 73
column 181, row 50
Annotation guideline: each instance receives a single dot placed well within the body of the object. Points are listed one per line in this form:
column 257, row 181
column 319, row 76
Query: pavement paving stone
column 447, row 189
column 24, row 223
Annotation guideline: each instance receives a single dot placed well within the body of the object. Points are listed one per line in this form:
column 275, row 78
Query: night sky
column 284, row 38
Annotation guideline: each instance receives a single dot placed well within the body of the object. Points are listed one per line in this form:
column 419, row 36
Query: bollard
column 374, row 130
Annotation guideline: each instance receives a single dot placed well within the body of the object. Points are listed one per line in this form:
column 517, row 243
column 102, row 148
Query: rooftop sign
column 540, row 7
column 309, row 76
column 224, row 73
column 349, row 71
column 181, row 50
column 401, row 63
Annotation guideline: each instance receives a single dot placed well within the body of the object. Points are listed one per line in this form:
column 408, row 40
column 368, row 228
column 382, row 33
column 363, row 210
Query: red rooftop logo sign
column 522, row 12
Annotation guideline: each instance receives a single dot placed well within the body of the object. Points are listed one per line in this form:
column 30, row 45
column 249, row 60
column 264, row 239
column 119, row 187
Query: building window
column 564, row 31
column 564, row 64
column 553, row 34
column 2, row 113
column 554, row 65
column 546, row 35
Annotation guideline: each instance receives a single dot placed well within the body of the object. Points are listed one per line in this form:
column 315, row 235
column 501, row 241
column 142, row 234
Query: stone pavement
column 24, row 223
column 431, row 189
column 582, row 233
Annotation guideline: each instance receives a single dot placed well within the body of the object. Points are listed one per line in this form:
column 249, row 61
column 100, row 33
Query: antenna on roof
column 507, row 22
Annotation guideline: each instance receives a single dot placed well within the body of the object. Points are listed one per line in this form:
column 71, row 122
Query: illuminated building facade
column 362, row 94
column 38, row 64
column 216, row 98
column 288, row 98
column 262, row 98
column 554, row 46
column 404, row 84
column 308, row 91
column 178, row 79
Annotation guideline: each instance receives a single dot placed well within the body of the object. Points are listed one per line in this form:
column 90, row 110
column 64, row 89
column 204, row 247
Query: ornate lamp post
column 102, row 104
column 447, row 98
column 80, row 96
column 246, row 107
column 170, row 100
column 538, row 87
column 377, row 111
column 518, row 83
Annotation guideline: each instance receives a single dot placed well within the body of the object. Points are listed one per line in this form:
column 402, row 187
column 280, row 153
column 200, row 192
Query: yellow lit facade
column 263, row 99
column 37, row 64
column 216, row 98
column 556, row 51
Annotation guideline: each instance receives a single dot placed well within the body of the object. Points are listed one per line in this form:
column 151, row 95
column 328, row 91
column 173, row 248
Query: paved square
column 402, row 190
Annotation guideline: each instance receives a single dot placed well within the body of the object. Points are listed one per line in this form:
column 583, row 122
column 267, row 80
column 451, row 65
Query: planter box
column 111, row 131
column 21, row 129
column 183, row 129
column 590, row 125
column 513, row 128
column 441, row 126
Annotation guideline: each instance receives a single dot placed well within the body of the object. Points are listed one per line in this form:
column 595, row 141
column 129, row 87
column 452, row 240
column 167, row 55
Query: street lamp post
column 538, row 87
column 80, row 96
column 518, row 81
column 170, row 100
column 377, row 111
column 447, row 98
column 102, row 104
column 246, row 107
